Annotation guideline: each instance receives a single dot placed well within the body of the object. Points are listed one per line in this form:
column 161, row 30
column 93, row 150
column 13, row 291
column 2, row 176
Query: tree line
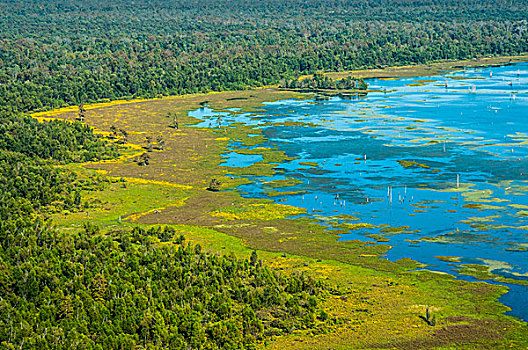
column 321, row 82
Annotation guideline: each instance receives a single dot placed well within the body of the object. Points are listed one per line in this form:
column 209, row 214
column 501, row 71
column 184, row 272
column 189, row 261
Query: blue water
column 466, row 188
column 235, row 159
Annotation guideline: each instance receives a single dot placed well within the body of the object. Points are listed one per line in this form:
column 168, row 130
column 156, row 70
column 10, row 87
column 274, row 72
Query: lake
column 437, row 165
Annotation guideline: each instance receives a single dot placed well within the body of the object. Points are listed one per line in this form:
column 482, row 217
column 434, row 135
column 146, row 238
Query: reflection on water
column 438, row 165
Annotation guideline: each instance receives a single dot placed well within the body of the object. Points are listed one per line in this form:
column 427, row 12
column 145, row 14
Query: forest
column 129, row 289
column 55, row 53
column 122, row 289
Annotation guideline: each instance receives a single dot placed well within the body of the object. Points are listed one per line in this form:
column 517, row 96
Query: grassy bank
column 380, row 303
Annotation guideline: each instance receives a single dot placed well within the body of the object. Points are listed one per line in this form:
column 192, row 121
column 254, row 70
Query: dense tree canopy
column 122, row 291
column 53, row 140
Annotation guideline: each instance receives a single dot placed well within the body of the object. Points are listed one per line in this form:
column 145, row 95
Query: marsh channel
column 434, row 166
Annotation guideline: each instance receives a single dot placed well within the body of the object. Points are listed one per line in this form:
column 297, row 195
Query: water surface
column 437, row 164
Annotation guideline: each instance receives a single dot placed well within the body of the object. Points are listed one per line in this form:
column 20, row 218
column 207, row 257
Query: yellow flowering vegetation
column 265, row 211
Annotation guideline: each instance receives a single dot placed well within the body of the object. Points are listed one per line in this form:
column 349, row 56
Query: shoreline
column 192, row 143
column 394, row 72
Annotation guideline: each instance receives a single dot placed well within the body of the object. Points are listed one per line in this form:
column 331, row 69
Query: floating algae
column 409, row 164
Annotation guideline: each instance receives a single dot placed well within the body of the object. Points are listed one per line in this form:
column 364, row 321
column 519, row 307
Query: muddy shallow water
column 437, row 165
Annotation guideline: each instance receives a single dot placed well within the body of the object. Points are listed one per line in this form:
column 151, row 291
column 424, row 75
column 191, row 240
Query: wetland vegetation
column 131, row 219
